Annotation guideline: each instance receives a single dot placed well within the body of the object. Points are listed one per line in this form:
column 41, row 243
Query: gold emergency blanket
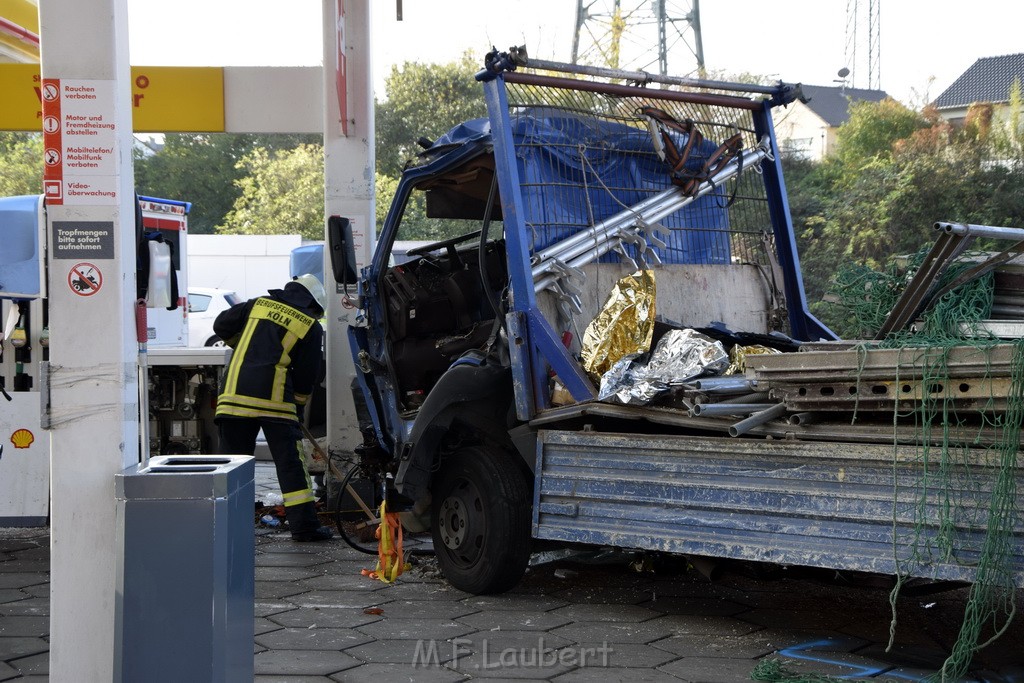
column 625, row 324
column 738, row 357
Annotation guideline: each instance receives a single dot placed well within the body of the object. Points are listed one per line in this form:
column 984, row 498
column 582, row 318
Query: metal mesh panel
column 583, row 156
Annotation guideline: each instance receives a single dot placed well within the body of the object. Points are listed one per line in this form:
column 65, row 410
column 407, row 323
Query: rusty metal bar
column 709, row 99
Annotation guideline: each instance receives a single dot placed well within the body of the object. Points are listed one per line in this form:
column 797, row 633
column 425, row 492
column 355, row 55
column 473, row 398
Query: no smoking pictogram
column 85, row 279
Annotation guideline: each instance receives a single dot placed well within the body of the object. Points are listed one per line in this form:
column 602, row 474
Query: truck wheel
column 480, row 520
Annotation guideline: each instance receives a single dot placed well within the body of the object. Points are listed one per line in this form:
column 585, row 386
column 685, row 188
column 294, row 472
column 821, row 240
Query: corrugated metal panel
column 814, row 504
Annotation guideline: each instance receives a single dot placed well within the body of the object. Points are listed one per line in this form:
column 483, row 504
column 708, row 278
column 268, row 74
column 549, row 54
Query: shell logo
column 22, row 438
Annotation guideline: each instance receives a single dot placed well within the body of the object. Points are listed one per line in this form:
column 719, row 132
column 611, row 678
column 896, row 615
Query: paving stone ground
column 318, row 619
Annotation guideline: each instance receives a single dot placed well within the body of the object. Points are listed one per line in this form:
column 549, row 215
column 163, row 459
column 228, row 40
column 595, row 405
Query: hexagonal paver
column 312, row 639
column 274, row 590
column 288, row 560
column 12, row 648
column 750, row 645
column 691, row 605
column 514, row 601
column 351, row 599
column 713, row 625
column 614, row 631
column 825, row 619
column 265, row 609
column 425, row 609
column 35, row 665
column 529, row 655
column 378, row 673
column 290, row 574
column 37, row 626
column 710, row 669
column 514, row 620
column 27, row 607
column 302, row 662
column 615, row 675
column 343, row 582
column 406, row 629
column 262, row 625
column 324, row 617
column 604, row 613
column 606, row 595
column 622, row 655
column 23, row 579
column 415, row 653
column 422, row 591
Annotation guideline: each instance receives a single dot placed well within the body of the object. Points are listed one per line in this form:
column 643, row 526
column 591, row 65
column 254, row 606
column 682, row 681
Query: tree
column 281, row 193
column 21, row 158
column 424, row 101
column 203, row 169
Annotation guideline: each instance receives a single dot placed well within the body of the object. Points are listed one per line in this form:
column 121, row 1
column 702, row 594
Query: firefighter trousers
column 284, row 438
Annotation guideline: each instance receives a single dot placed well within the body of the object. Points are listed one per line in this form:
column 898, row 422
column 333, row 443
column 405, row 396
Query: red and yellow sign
column 22, row 438
column 165, row 99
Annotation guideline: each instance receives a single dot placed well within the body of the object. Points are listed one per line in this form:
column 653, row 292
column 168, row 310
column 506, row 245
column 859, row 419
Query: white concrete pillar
column 94, row 415
column 349, row 174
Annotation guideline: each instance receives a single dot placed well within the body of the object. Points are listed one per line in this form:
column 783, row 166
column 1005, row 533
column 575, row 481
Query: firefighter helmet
column 313, row 286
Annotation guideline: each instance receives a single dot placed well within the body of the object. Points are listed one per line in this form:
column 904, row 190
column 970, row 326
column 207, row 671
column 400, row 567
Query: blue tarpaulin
column 576, row 171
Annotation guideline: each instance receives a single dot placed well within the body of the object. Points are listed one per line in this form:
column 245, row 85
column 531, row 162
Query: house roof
column 833, row 104
column 987, row 80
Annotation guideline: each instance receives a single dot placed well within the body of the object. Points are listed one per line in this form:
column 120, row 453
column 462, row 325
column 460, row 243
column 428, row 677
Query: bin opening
column 193, row 462
column 180, row 470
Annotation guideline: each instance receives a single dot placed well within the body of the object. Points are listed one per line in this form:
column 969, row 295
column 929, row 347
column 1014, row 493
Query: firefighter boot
column 305, row 526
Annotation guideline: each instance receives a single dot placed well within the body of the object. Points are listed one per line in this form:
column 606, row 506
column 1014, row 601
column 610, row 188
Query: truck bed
column 818, row 504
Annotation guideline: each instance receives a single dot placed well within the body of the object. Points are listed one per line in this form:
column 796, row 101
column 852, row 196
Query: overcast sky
column 924, row 45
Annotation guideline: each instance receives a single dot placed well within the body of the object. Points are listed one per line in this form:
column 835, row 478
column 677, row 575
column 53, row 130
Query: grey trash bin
column 185, row 571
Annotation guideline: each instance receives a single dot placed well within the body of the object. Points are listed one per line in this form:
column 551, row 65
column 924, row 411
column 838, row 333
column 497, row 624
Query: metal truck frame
column 467, row 348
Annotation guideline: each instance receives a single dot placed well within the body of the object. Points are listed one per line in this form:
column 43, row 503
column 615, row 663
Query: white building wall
column 802, row 132
column 248, row 264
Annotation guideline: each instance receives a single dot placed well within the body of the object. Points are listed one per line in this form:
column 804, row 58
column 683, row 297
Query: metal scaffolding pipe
column 719, row 409
column 725, row 385
column 989, row 231
column 757, row 419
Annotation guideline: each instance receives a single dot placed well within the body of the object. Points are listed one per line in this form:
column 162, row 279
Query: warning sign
column 80, row 141
column 85, row 279
column 82, row 239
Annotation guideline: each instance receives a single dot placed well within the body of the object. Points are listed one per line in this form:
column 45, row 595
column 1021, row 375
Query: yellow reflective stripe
column 281, row 371
column 283, row 315
column 239, row 411
column 301, row 398
column 298, row 497
column 256, row 402
column 238, row 355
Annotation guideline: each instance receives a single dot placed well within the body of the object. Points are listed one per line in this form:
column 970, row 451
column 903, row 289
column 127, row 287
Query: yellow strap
column 390, row 560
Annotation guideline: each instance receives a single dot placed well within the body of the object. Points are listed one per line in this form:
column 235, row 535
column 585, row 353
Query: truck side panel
column 815, row 504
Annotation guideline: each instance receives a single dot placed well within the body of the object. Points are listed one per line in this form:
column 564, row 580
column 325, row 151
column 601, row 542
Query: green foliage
column 281, row 193
column 424, row 100
column 203, row 169
column 896, row 174
column 21, row 158
column 873, row 129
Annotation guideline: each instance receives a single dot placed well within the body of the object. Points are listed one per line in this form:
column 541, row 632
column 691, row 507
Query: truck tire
column 480, row 520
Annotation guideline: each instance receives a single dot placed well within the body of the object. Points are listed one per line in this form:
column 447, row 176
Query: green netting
column 774, row 670
column 949, row 444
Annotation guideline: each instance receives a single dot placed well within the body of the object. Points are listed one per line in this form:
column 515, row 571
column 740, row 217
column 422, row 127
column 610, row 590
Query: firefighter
column 277, row 341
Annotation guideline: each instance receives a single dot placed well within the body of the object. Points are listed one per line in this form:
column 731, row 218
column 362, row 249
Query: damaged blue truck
column 471, row 356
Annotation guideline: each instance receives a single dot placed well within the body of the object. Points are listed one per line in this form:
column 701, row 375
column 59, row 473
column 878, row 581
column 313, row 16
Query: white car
column 204, row 305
